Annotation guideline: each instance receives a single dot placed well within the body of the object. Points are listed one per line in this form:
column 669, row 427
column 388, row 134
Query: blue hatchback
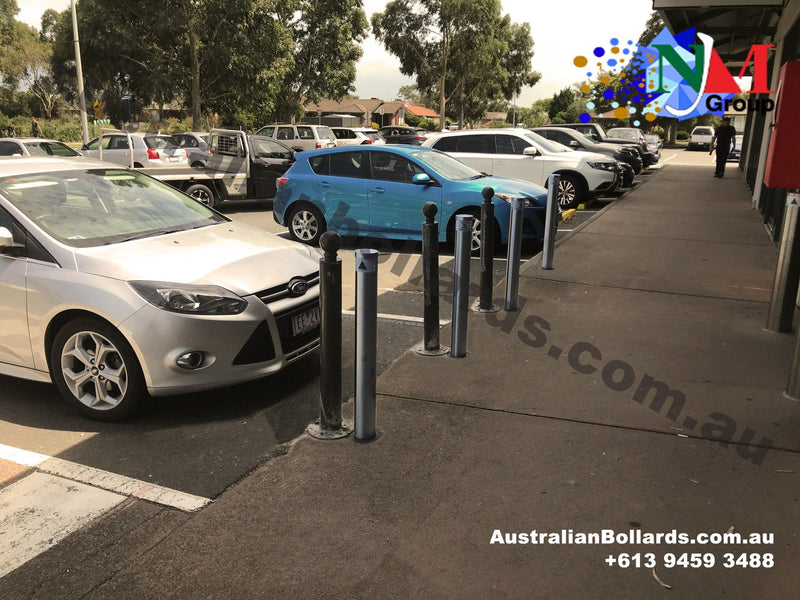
column 380, row 191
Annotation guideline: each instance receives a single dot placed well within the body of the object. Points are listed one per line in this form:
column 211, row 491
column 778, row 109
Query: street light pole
column 81, row 96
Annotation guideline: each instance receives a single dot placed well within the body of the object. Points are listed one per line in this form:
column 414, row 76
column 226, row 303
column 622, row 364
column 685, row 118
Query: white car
column 149, row 150
column 356, row 136
column 34, row 147
column 522, row 154
column 701, row 137
column 114, row 285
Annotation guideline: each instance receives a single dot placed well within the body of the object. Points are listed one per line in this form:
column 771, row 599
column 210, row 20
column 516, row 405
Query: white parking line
column 391, row 317
column 104, row 479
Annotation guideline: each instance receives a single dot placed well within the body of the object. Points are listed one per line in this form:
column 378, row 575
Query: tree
column 561, row 102
column 652, row 28
column 25, row 65
column 462, row 50
column 325, row 37
column 8, row 11
column 226, row 56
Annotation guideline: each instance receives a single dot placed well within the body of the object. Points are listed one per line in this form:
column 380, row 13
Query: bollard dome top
column 429, row 209
column 487, row 194
column 330, row 242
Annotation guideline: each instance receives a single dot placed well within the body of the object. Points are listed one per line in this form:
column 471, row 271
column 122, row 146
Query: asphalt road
column 203, row 443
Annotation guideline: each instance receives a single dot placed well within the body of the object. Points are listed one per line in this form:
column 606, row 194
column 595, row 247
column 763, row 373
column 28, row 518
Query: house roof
column 421, row 111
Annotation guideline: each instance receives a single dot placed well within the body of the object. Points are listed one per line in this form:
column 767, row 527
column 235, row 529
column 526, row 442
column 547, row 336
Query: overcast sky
column 561, row 30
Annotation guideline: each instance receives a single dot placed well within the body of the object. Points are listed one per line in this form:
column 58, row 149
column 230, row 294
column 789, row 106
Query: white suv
column 522, row 154
column 301, row 137
column 701, row 138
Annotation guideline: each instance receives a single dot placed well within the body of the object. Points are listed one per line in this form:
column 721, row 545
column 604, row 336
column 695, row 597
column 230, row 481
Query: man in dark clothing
column 723, row 138
column 36, row 131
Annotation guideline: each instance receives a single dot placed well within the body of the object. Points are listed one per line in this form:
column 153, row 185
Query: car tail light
column 280, row 181
column 152, row 154
column 366, row 142
column 319, row 145
column 420, row 137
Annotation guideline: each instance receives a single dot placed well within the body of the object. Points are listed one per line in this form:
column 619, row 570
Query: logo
column 675, row 77
column 297, row 286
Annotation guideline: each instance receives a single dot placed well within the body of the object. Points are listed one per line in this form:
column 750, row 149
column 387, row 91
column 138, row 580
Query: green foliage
column 560, row 103
column 682, row 136
column 173, row 125
column 652, row 28
column 462, row 50
column 412, row 120
column 8, row 10
column 66, row 130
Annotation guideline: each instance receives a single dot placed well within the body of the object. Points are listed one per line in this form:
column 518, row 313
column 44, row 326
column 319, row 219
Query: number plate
column 305, row 321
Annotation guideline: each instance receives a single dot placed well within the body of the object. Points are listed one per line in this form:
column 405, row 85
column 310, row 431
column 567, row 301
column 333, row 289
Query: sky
column 561, row 30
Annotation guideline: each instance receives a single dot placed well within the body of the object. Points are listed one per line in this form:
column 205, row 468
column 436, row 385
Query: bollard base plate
column 316, row 431
column 476, row 307
column 439, row 352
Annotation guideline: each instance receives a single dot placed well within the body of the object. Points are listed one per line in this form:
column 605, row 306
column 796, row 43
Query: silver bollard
column 787, row 273
column 463, row 250
column 366, row 343
column 550, row 221
column 514, row 253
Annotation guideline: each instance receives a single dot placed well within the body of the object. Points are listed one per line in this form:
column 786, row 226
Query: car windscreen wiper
column 147, row 234
column 480, row 175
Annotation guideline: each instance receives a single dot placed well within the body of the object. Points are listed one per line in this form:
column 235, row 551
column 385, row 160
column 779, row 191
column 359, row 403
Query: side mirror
column 574, row 144
column 7, row 244
column 530, row 151
column 422, row 179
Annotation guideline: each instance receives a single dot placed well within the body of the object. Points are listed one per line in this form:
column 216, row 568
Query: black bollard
column 430, row 270
column 330, row 425
column 484, row 303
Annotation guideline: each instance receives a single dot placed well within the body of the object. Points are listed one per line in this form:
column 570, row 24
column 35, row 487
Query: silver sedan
column 114, row 285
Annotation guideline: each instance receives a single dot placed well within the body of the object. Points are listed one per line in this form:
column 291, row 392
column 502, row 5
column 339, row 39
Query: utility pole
column 81, row 96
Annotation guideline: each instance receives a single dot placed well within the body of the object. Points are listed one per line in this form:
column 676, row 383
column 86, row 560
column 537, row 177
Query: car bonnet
column 238, row 257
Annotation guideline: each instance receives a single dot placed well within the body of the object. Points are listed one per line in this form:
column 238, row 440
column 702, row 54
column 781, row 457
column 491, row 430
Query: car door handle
column 324, row 184
column 377, row 190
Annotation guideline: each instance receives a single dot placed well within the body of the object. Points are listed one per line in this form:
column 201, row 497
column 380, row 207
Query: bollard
column 366, row 343
column 514, row 253
column 463, row 250
column 551, row 221
column 330, row 425
column 430, row 270
column 787, row 274
column 484, row 303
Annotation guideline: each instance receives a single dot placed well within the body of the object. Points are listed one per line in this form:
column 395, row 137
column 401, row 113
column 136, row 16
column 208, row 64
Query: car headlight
column 187, row 298
column 509, row 197
column 605, row 166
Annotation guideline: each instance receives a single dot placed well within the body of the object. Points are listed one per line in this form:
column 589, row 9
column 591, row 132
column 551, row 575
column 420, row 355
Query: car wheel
column 96, row 370
column 203, row 193
column 571, row 191
column 306, row 224
column 477, row 229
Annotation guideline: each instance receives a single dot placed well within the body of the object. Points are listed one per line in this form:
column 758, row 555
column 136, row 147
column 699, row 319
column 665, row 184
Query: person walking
column 722, row 141
column 10, row 129
column 36, row 131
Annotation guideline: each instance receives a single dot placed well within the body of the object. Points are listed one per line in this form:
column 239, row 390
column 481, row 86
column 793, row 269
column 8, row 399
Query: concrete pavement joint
column 581, row 422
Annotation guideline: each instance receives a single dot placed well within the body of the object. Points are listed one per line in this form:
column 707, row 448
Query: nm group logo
column 675, row 77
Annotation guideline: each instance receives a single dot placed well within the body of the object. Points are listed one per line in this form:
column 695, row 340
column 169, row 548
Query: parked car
column 380, row 190
column 196, row 145
column 700, row 138
column 574, row 140
column 400, row 134
column 654, row 144
column 596, row 133
column 301, row 137
column 114, row 285
column 355, row 136
column 148, row 150
column 636, row 135
column 522, row 154
column 736, row 152
column 34, row 147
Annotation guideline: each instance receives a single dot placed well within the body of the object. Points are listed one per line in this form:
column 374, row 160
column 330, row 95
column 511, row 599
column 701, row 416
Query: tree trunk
column 193, row 43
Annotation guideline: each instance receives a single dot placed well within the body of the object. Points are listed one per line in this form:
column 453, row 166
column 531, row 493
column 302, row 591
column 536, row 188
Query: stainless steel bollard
column 366, row 343
column 550, row 221
column 514, row 253
column 463, row 250
column 787, row 273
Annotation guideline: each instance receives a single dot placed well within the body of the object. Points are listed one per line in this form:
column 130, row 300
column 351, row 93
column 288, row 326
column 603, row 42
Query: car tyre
column 204, row 194
column 96, row 370
column 475, row 245
column 571, row 191
column 306, row 224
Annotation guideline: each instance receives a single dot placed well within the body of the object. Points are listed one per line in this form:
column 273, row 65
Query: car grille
column 279, row 292
column 258, row 348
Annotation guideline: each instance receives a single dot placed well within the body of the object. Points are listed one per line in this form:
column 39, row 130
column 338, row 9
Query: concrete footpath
column 635, row 393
